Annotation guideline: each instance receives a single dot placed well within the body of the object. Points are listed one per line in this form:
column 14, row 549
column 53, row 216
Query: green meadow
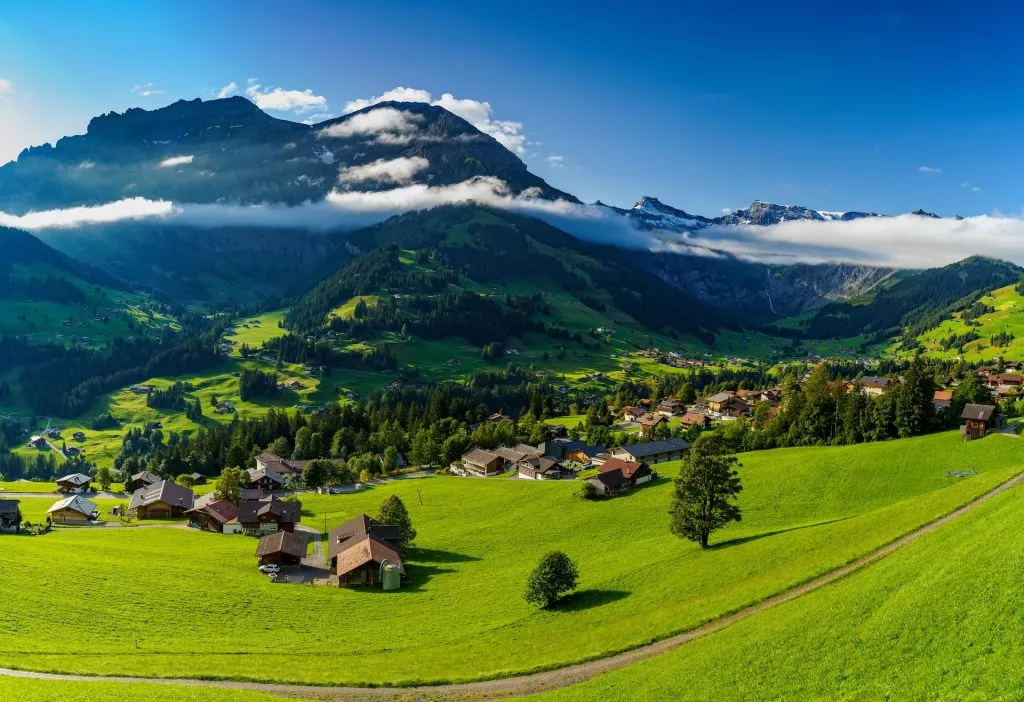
column 939, row 619
column 462, row 616
column 25, row 690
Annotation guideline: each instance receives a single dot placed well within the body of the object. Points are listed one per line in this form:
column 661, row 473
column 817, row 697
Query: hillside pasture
column 806, row 511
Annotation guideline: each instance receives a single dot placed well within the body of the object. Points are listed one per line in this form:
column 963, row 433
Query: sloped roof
column 981, row 413
column 221, row 511
column 365, row 551
column 78, row 479
column 76, row 503
column 356, row 529
column 269, row 473
column 627, row 468
column 282, row 542
column 651, row 448
column 479, row 457
column 283, row 511
column 146, row 477
column 721, row 397
column 165, row 491
column 9, row 507
column 871, row 381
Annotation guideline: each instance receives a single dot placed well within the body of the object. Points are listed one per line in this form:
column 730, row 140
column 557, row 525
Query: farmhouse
column 10, row 514
column 74, row 483
column 581, row 453
column 212, row 516
column 618, row 475
column 143, row 480
column 979, row 420
column 997, row 379
column 632, row 414
column 540, row 468
column 74, row 509
column 941, row 400
column 653, row 451
column 344, row 535
column 78, row 436
column 359, row 548
column 650, row 422
column 37, row 442
column 268, row 515
column 282, row 548
column 717, row 402
column 265, row 479
column 499, row 417
column 482, row 463
column 695, row 419
column 198, row 479
column 873, row 385
column 281, row 466
column 734, row 408
column 161, row 500
column 669, row 408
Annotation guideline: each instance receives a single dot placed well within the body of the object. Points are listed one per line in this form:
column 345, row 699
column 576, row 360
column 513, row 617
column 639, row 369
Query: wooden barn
column 73, row 510
column 212, row 516
column 282, row 548
column 161, row 500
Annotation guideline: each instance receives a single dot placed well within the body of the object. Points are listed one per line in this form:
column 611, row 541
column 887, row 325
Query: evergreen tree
column 392, row 512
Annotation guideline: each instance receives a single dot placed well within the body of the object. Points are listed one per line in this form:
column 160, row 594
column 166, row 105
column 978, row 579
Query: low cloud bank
column 907, row 241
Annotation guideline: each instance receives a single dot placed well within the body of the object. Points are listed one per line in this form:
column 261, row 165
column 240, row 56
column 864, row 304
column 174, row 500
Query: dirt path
column 562, row 677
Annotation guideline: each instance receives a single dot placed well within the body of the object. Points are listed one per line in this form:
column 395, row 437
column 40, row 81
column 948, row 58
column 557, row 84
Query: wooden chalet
column 74, row 483
column 266, row 479
column 281, row 548
column 540, row 468
column 695, row 419
column 268, row 515
column 483, row 463
column 212, row 516
column 669, row 408
column 143, row 480
column 10, row 514
column 161, row 500
column 649, row 422
column 618, row 475
column 873, row 385
column 653, row 451
column 72, row 510
column 198, row 479
column 979, row 420
column 281, row 466
column 942, row 399
column 717, row 402
column 632, row 414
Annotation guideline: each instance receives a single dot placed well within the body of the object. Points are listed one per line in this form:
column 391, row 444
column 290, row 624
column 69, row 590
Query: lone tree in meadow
column 704, row 495
column 393, row 512
column 554, row 576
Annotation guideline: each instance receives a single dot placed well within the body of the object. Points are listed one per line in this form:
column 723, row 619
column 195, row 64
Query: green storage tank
column 390, row 576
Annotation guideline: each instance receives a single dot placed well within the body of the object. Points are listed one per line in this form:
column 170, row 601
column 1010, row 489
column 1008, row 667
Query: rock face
column 229, row 151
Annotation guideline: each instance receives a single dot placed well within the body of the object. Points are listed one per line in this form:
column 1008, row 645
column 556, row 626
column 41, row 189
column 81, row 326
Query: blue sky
column 706, row 106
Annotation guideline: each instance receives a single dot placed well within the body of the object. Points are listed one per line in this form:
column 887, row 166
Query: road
column 561, row 677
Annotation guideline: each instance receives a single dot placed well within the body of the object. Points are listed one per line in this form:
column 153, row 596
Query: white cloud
column 146, row 90
column 928, row 170
column 509, row 134
column 399, row 170
column 968, row 185
column 132, row 208
column 281, row 100
column 316, row 118
column 6, row 86
column 556, row 161
column 726, row 210
column 228, row 90
column 176, row 161
column 386, row 123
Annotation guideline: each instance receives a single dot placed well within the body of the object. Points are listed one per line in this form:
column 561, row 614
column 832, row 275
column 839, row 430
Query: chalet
column 618, row 475
column 581, row 453
column 265, row 479
column 695, row 419
column 482, row 463
column 198, row 479
column 735, row 408
column 1000, row 379
column 74, row 509
column 74, row 483
column 499, row 417
column 669, row 408
column 979, row 420
column 282, row 548
column 281, row 466
column 358, row 549
column 632, row 414
column 873, row 385
column 78, row 436
column 720, row 400
column 143, row 480
column 941, row 400
column 653, row 451
column 212, row 516
column 142, row 389
column 541, row 468
column 268, row 515
column 224, row 407
column 10, row 514
column 37, row 442
column 161, row 500
column 650, row 422
column 356, row 529
column 773, row 396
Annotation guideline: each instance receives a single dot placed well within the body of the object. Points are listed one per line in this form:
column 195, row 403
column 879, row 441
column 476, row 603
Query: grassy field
column 256, row 331
column 1008, row 317
column 940, row 619
column 49, row 690
column 805, row 511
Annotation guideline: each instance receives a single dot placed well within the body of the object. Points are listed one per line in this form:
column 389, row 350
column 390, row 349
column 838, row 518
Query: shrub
column 555, row 575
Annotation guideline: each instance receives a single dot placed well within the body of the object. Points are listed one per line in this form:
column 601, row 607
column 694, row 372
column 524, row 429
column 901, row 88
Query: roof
column 627, row 468
column 509, row 454
column 283, row 511
column 651, row 448
column 357, row 528
column 268, row 473
column 146, row 477
column 584, row 448
column 527, row 450
column 721, row 397
column 282, row 542
column 694, row 418
column 612, row 479
column 982, row 413
column 540, row 464
column 76, row 503
column 75, row 479
column 943, row 395
column 479, row 457
column 197, row 476
column 221, row 511
column 368, row 550
column 871, row 381
column 165, row 491
column 9, row 507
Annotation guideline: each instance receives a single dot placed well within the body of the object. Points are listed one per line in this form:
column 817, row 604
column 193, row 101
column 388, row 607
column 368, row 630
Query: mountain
column 230, row 151
column 21, row 250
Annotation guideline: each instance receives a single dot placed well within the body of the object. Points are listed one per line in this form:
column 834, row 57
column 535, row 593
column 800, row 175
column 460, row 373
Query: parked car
column 270, row 569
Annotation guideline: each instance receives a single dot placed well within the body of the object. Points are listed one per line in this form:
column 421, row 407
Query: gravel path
column 562, row 677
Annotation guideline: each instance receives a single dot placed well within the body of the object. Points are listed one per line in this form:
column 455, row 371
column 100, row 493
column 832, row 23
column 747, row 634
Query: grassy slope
column 49, row 690
column 1008, row 317
column 806, row 511
column 940, row 619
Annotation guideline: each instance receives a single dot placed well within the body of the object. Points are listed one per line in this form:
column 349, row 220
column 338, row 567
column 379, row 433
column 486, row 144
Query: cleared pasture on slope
column 149, row 591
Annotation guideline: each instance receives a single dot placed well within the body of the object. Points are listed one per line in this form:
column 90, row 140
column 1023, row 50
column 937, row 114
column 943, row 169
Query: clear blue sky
column 707, row 107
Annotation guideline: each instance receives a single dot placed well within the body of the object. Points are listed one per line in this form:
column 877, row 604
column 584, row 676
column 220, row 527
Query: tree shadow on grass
column 588, row 599
column 766, row 534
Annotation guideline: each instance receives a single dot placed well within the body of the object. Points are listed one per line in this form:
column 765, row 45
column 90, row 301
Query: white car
column 270, row 569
